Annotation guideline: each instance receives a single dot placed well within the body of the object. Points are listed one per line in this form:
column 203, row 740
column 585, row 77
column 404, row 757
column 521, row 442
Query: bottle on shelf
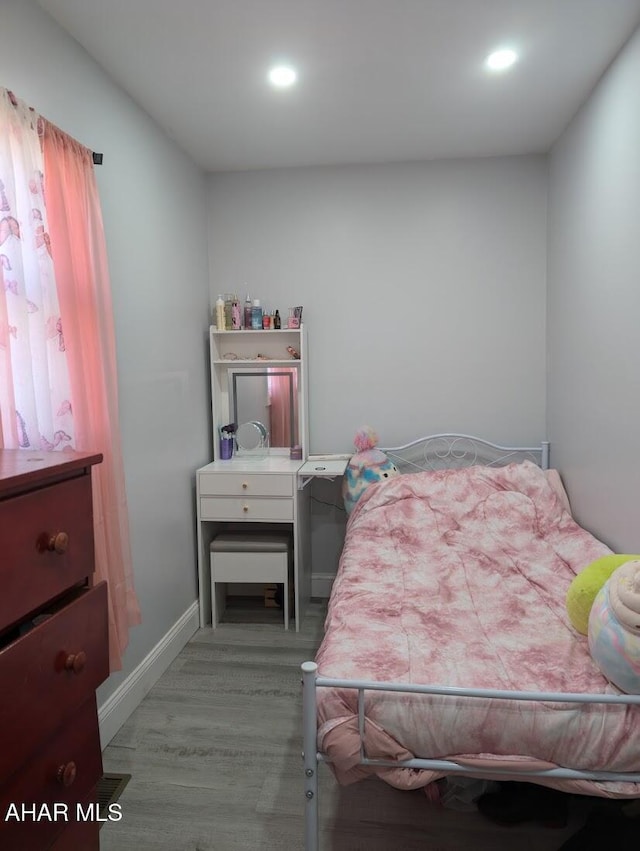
column 220, row 323
column 248, row 309
column 228, row 322
column 256, row 315
column 277, row 324
column 236, row 323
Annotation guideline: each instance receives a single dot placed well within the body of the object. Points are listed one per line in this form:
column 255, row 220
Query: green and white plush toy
column 614, row 628
column 582, row 591
column 367, row 467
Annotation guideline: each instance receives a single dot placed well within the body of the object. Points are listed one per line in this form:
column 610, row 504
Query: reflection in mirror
column 267, row 396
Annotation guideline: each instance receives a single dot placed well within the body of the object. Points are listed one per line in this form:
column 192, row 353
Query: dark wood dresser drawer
column 47, row 545
column 49, row 672
column 81, row 836
column 54, row 649
column 63, row 772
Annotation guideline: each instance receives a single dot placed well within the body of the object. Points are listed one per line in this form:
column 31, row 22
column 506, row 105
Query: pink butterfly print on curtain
column 53, row 327
column 58, row 438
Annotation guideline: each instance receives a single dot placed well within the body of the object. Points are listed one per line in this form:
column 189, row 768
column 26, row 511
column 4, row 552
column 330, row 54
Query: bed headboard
column 446, row 451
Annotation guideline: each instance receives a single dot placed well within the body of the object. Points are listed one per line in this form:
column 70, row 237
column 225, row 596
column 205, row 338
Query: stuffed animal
column 614, row 628
column 367, row 467
column 582, row 591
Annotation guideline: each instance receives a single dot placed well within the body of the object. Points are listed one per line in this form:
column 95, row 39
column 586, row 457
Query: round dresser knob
column 58, row 543
column 245, row 485
column 76, row 662
column 66, row 774
column 245, row 508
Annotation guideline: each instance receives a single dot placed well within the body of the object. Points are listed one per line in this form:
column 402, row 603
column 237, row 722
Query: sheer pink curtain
column 80, row 260
column 35, row 408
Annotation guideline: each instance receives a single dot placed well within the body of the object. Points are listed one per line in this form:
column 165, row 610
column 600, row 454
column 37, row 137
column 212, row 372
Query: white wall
column 154, row 208
column 423, row 288
column 594, row 306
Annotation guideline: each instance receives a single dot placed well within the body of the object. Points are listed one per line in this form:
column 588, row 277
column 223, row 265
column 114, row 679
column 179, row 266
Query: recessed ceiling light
column 502, row 59
column 282, row 76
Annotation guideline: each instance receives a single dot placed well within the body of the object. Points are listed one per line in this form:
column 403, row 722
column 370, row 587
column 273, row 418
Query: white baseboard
column 129, row 694
column 321, row 584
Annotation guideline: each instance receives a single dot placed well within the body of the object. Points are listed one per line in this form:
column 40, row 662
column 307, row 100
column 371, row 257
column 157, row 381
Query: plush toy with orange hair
column 367, row 467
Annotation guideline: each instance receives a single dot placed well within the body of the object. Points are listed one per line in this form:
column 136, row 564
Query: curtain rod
column 97, row 158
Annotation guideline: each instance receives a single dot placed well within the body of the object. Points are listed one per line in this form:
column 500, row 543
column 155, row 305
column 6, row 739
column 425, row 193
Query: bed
column 447, row 647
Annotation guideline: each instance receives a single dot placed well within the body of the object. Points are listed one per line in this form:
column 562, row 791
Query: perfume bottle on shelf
column 236, row 323
column 228, row 321
column 248, row 307
column 256, row 315
column 220, row 323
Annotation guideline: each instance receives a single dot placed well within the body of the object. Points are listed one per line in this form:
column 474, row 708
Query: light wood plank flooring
column 214, row 751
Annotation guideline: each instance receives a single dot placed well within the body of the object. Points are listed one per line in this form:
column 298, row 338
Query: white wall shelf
column 257, row 362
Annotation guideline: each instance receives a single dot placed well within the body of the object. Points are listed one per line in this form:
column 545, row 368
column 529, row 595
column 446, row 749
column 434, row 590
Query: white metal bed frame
column 435, row 452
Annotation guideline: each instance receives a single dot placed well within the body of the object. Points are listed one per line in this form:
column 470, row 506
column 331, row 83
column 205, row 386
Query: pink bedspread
column 459, row 578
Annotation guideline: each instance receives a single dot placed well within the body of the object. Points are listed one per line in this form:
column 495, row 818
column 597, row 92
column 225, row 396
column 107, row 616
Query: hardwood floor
column 214, row 751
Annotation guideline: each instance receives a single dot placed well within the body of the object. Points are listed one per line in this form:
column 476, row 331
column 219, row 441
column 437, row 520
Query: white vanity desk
column 255, row 379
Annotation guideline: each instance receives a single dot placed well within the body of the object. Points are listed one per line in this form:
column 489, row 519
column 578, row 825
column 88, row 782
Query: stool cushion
column 230, row 543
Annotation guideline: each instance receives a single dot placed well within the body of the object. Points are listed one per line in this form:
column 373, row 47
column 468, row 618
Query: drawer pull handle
column 245, row 485
column 58, row 543
column 67, row 774
column 245, row 508
column 76, row 662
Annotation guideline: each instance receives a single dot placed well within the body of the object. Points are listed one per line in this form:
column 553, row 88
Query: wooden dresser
column 53, row 652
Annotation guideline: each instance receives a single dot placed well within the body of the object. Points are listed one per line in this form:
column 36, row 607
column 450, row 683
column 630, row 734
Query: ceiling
column 379, row 80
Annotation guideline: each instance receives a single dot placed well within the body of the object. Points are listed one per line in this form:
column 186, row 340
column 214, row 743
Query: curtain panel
column 34, row 372
column 67, row 342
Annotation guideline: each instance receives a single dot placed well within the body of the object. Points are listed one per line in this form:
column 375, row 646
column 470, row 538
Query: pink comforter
column 459, row 578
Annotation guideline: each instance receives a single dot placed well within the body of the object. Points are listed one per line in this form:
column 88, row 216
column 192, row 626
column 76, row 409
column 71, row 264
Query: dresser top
column 23, row 469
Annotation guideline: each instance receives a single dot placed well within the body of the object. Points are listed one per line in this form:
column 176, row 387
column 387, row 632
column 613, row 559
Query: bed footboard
column 311, row 682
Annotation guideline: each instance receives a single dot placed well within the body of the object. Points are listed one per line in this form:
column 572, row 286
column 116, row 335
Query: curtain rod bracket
column 97, row 158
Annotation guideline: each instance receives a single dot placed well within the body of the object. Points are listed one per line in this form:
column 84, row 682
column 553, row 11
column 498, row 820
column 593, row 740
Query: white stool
column 248, row 558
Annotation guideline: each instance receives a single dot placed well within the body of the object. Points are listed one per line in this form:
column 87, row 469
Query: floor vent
column 110, row 787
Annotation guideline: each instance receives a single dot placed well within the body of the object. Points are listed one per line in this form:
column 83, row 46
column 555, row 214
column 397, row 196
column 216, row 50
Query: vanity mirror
column 252, row 437
column 265, row 398
column 256, row 378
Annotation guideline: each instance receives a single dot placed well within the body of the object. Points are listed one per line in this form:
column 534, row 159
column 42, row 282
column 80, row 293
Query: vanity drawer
column 47, row 545
column 232, row 508
column 49, row 672
column 251, row 484
column 63, row 772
